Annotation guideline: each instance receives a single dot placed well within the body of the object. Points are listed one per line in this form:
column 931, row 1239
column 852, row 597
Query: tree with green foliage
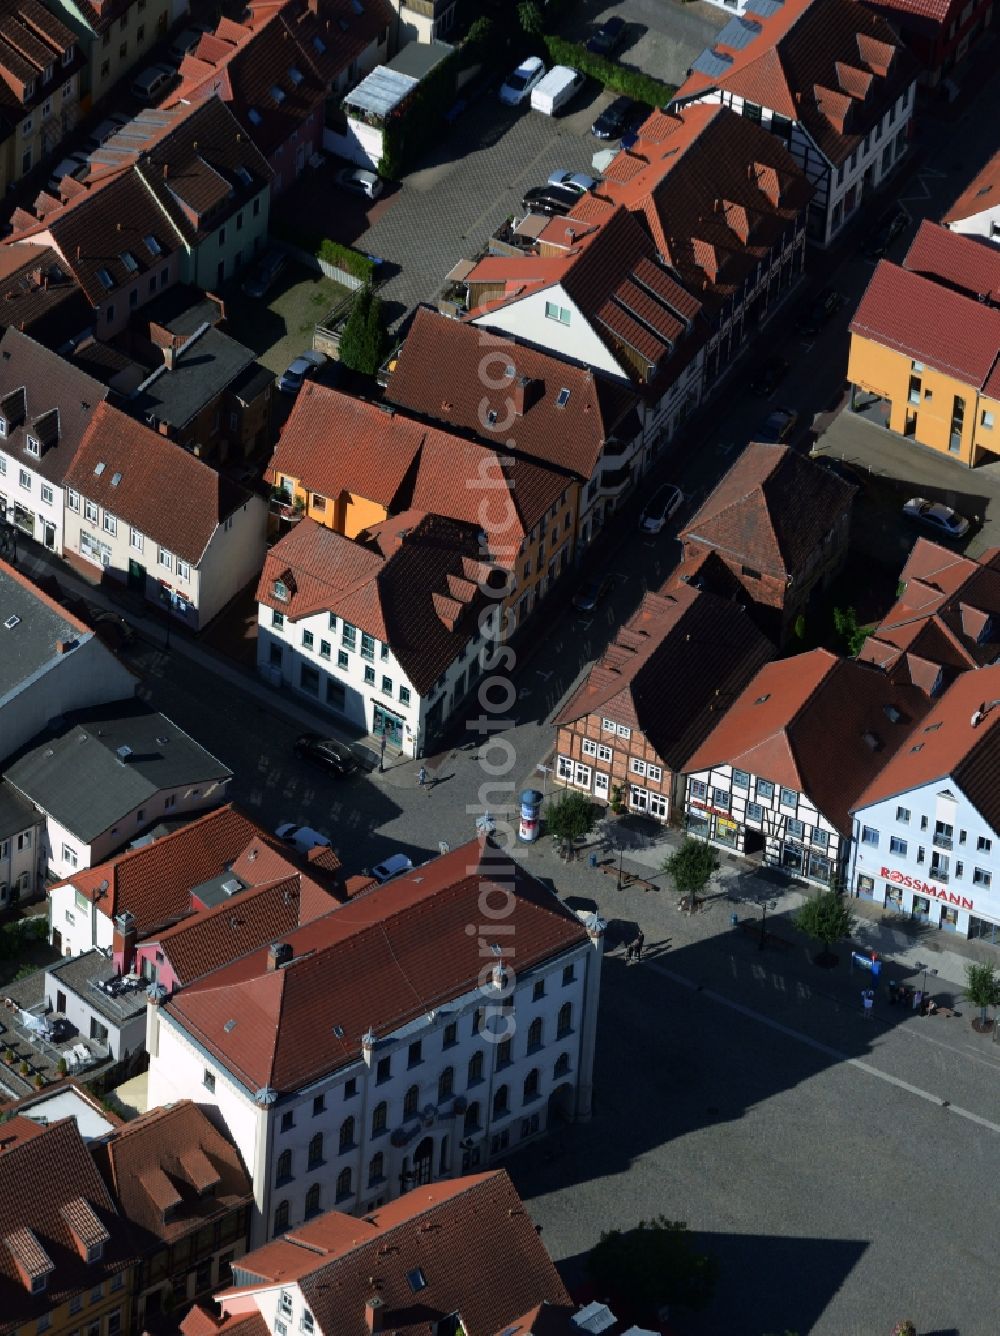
column 982, row 988
column 363, row 339
column 691, row 867
column 904, row 1328
column 826, row 919
column 529, row 16
column 853, row 636
column 569, row 818
column 653, row 1265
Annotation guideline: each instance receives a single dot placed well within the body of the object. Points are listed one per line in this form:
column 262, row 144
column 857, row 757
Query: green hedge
column 332, row 252
column 643, row 87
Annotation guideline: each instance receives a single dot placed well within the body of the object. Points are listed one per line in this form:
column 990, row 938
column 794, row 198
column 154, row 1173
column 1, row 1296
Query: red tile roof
column 437, row 375
column 818, row 725
column 937, row 11
column 958, row 740
column 970, row 264
column 472, row 1239
column 706, row 647
column 51, row 1194
column 930, row 323
column 331, row 34
column 810, row 60
column 199, row 1322
column 162, row 489
column 154, row 882
column 772, row 509
column 982, row 193
column 39, row 296
column 202, row 1169
column 422, row 598
column 388, row 956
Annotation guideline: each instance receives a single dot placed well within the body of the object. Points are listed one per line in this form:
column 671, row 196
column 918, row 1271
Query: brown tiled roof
column 154, row 882
column 49, row 1187
column 395, row 953
column 937, row 11
column 39, row 296
column 102, row 16
column 969, row 264
column 471, row 1239
column 178, row 1149
column 958, row 739
column 716, row 191
column 707, row 649
column 32, row 39
column 930, row 323
column 397, row 598
column 329, row 33
column 948, row 616
column 199, row 1322
column 982, row 193
column 162, row 490
column 810, row 60
column 817, row 725
column 772, row 509
column 43, row 395
column 437, row 375
column 244, row 922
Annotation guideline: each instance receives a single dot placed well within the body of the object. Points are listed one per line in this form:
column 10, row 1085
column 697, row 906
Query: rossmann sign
column 925, row 888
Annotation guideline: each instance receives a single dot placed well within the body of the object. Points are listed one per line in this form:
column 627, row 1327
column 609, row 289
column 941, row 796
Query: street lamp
column 926, row 970
column 763, row 904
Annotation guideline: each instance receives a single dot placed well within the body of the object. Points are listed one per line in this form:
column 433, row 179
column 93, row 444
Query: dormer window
column 39, row 1284
column 29, row 92
column 68, row 54
column 94, row 1253
column 244, row 176
column 280, row 590
column 3, row 426
column 105, row 279
column 33, row 446
column 49, row 71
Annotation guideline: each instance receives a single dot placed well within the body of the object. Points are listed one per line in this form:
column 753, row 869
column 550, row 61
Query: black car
column 551, row 199
column 817, row 312
column 886, row 233
column 608, row 38
column 777, row 426
column 768, row 377
column 619, row 118
column 265, row 274
column 336, row 758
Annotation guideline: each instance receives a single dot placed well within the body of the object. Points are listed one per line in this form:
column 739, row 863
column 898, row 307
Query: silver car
column 294, row 376
column 360, row 181
column 660, row 507
column 937, row 516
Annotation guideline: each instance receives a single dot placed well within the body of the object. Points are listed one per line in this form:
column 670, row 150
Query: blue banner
column 863, row 962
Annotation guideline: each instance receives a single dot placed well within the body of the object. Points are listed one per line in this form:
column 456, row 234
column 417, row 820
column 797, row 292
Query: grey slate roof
column 74, row 773
column 29, row 647
column 16, row 813
column 208, row 362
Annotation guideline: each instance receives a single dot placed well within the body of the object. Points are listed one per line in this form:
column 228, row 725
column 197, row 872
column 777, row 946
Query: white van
column 556, row 89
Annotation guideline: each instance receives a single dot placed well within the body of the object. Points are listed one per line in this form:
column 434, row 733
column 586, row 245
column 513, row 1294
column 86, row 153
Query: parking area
column 279, row 327
column 663, row 37
column 463, row 190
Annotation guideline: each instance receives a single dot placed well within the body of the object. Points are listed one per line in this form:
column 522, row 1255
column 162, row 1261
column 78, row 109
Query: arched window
column 476, row 1068
column 316, row 1150
column 281, row 1217
column 346, row 1134
column 562, row 1065
column 535, row 1034
column 376, row 1169
column 501, row 1102
column 283, row 1172
column 471, row 1119
column 410, row 1102
column 380, row 1115
column 343, row 1184
column 531, row 1086
column 446, row 1084
column 565, row 1022
column 312, row 1201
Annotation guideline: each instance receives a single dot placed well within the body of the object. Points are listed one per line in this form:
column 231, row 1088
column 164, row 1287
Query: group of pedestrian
column 634, row 949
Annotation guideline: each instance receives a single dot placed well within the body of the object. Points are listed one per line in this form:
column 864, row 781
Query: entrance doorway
column 423, row 1161
column 136, row 577
column 49, row 535
column 560, row 1109
column 387, row 725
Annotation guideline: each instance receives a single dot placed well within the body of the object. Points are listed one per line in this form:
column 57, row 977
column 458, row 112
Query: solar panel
column 764, row 8
column 738, row 33
column 713, row 63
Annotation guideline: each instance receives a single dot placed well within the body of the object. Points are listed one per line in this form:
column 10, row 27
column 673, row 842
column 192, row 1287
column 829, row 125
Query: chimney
column 123, row 941
column 64, row 646
column 166, row 170
column 313, row 6
column 278, row 954
column 524, row 393
column 373, row 1306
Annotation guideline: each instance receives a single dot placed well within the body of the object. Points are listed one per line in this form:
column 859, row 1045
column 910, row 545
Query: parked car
column 888, row 229
column 661, row 506
column 816, row 313
column 301, row 838
column 76, row 166
column 265, row 273
column 153, row 83
column 185, row 42
column 361, row 181
column 393, row 866
column 335, row 757
column 293, row 377
column 608, row 38
column 618, row 118
column 937, row 516
column 841, row 469
column 560, row 85
column 777, row 426
column 517, row 87
column 591, row 593
column 550, row 199
column 107, row 129
column 768, row 377
column 578, row 181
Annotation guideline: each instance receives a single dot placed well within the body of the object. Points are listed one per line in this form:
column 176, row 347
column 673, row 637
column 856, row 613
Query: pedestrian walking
column 629, row 951
column 638, row 945
column 868, row 999
column 422, row 779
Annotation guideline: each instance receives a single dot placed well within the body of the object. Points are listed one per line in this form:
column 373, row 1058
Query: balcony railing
column 614, row 481
column 943, row 842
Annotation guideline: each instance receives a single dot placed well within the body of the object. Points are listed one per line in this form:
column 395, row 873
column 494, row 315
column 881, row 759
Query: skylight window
column 115, row 479
column 417, row 1280
column 254, row 116
column 357, row 6
column 129, row 261
column 278, row 94
column 105, row 279
column 562, row 399
column 243, row 175
column 319, row 45
column 99, row 468
column 152, row 245
column 343, row 25
column 296, row 76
